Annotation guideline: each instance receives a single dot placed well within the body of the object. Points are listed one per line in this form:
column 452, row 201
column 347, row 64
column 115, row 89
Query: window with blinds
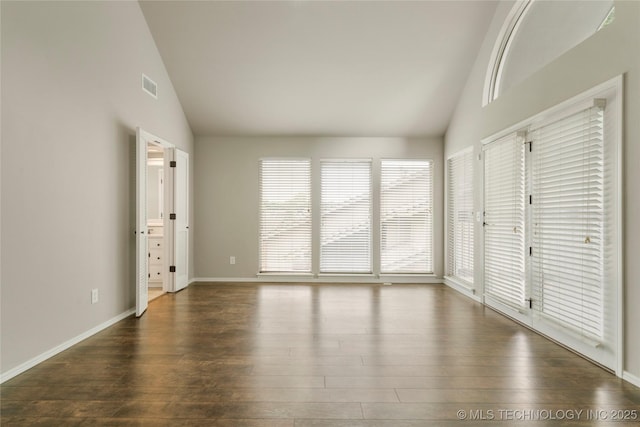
column 568, row 212
column 345, row 216
column 504, row 238
column 460, row 216
column 406, row 216
column 285, row 215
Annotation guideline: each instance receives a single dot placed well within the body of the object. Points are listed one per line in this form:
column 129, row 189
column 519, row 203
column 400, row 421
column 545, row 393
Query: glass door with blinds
column 460, row 221
column 570, row 214
column 551, row 231
column 504, row 225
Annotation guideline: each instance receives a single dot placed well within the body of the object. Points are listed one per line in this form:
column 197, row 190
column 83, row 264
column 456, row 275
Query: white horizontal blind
column 504, row 272
column 568, row 216
column 345, row 217
column 285, row 215
column 460, row 216
column 406, row 216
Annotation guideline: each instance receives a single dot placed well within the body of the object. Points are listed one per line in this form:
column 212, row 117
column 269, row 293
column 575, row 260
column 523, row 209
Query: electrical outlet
column 232, row 260
column 94, row 296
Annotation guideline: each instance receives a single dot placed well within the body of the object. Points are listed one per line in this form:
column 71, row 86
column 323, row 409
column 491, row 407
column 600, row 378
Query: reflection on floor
column 155, row 293
column 258, row 355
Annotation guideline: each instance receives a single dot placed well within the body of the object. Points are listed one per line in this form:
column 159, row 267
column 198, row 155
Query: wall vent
column 149, row 86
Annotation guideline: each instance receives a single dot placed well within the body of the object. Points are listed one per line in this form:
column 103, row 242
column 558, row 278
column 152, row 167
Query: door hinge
column 172, row 269
column 530, row 145
column 172, row 164
column 530, row 199
column 172, row 216
column 530, row 250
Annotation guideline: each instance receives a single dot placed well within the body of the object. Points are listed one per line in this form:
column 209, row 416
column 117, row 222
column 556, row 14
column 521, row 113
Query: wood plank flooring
column 247, row 355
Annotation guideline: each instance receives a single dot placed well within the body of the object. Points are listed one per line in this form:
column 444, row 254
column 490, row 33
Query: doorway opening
column 155, row 221
column 162, row 218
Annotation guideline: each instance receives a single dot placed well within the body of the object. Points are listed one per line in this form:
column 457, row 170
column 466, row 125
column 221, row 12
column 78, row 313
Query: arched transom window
column 535, row 33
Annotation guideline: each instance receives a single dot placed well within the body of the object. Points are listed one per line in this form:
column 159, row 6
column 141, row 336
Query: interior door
column 180, row 226
column 142, row 274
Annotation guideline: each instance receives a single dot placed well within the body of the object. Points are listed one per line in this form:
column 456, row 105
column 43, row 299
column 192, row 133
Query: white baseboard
column 462, row 289
column 631, row 378
column 5, row 376
column 322, row 279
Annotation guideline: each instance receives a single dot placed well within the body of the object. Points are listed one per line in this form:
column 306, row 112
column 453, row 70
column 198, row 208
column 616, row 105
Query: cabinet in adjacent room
column 156, row 255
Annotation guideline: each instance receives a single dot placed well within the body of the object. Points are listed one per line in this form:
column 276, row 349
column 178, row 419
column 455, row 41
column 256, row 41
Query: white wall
column 228, row 199
column 71, row 100
column 153, row 191
column 610, row 52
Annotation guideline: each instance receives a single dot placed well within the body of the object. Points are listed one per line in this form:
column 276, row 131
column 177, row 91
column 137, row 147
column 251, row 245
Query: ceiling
column 346, row 68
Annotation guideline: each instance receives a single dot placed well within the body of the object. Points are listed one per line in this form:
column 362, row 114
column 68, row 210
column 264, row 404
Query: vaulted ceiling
column 349, row 68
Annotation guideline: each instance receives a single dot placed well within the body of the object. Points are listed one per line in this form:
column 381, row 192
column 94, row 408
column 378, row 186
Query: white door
column 142, row 274
column 180, row 226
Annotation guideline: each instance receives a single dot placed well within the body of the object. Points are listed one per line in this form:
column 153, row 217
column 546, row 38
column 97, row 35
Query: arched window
column 537, row 32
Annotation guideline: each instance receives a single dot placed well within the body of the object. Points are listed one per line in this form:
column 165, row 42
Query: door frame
column 166, row 192
column 615, row 361
column 143, row 138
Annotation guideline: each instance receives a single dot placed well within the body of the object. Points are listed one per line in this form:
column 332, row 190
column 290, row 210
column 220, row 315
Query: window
column 611, row 16
column 285, row 215
column 406, row 216
column 537, row 32
column 504, row 227
column 460, row 217
column 345, row 217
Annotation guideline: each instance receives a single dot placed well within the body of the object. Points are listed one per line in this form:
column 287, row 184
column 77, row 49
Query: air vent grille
column 149, row 86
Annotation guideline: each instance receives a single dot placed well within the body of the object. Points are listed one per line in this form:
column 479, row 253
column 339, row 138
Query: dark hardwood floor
column 322, row 355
